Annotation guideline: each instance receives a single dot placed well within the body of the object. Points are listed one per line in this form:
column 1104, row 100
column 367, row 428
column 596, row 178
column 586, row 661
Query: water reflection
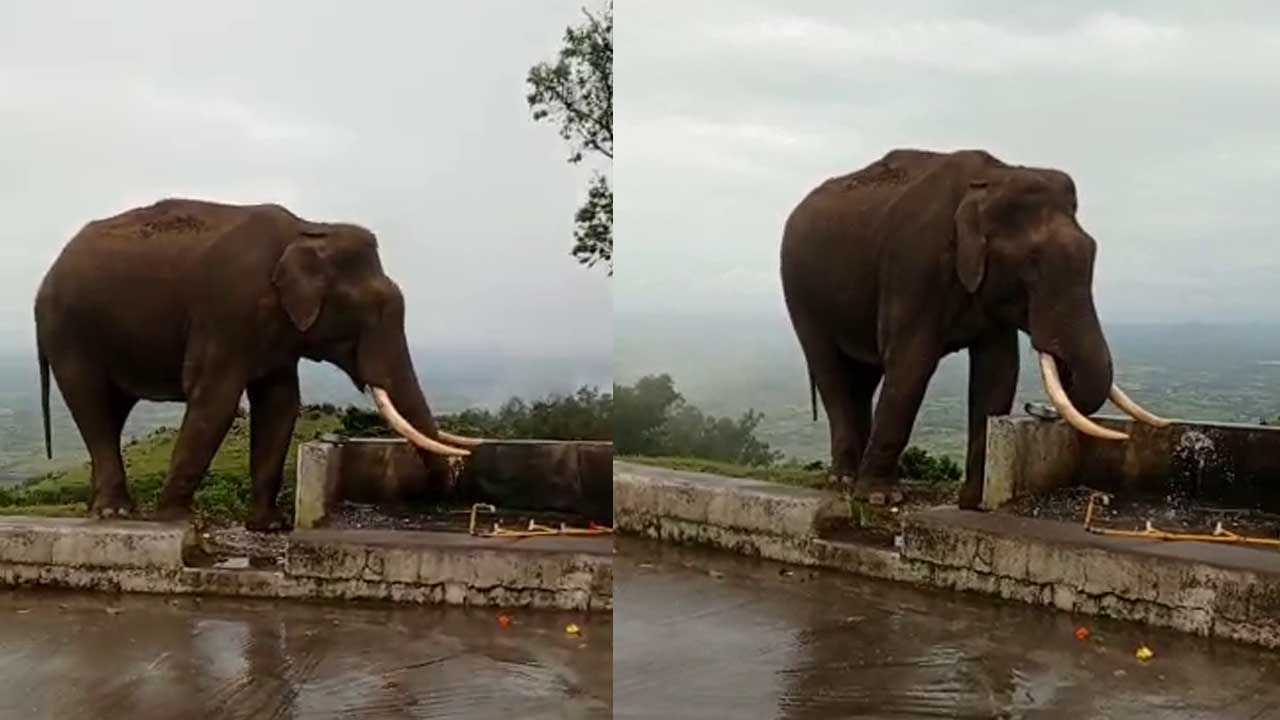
column 712, row 635
column 65, row 655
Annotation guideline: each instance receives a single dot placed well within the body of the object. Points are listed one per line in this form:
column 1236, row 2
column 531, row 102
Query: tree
column 640, row 415
column 576, row 92
column 653, row 418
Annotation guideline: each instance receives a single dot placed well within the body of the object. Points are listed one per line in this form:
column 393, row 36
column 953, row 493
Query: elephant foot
column 970, row 496
column 110, row 508
column 878, row 492
column 270, row 520
column 841, row 482
column 171, row 513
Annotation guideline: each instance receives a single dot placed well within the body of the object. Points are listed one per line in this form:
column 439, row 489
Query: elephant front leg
column 993, row 380
column 210, row 411
column 905, row 380
column 273, row 412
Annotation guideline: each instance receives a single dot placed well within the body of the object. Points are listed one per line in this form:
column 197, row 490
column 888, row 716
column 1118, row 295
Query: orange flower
column 504, row 620
column 1082, row 632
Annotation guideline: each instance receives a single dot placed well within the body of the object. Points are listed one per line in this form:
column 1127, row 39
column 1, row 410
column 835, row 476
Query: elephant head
column 1021, row 252
column 342, row 308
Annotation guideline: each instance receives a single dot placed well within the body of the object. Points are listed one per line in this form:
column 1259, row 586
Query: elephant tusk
column 462, row 440
column 1053, row 386
column 407, row 430
column 1134, row 410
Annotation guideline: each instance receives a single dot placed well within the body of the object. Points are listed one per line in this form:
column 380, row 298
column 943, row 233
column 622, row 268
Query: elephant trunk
column 384, row 364
column 1075, row 360
column 1065, row 326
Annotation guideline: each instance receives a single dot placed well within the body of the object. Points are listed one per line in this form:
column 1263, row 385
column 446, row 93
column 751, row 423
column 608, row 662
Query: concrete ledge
column 458, row 567
column 277, row 585
column 567, row 573
column 1201, row 588
column 82, row 542
column 748, row 516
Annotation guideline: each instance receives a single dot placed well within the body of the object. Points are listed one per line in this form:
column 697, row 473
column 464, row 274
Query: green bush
column 917, row 464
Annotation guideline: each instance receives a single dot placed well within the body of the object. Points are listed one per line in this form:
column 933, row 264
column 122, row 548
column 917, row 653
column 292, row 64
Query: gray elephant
column 920, row 254
column 202, row 302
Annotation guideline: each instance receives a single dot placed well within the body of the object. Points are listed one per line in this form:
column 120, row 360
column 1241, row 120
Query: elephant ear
column 301, row 278
column 971, row 241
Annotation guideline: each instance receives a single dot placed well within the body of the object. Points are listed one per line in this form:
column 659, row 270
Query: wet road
column 65, row 655
column 709, row 635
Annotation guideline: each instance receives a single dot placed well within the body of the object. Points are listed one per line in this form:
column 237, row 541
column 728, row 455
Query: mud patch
column 236, row 548
column 881, row 526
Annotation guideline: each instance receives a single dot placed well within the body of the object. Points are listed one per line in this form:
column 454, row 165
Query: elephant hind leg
column 99, row 410
column 864, row 379
column 846, row 387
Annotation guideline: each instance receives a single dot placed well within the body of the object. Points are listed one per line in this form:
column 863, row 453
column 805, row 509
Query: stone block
column 644, row 495
column 84, row 542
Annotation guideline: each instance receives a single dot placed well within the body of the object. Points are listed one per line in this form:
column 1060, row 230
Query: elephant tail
column 44, row 403
column 813, row 397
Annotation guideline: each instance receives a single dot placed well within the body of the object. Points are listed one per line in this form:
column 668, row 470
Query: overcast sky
column 409, row 118
column 1167, row 114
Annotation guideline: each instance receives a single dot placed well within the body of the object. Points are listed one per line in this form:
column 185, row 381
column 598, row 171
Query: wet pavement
column 72, row 655
column 712, row 635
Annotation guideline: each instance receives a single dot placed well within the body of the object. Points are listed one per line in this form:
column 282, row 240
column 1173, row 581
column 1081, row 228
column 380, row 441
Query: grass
column 939, row 484
column 223, row 496
column 785, row 474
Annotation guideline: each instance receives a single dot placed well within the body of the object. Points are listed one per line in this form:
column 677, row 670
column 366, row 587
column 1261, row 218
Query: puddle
column 713, row 635
column 72, row 655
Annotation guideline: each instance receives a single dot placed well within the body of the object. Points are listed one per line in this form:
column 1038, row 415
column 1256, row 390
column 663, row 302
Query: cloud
column 1162, row 112
column 1106, row 41
column 409, row 118
column 176, row 109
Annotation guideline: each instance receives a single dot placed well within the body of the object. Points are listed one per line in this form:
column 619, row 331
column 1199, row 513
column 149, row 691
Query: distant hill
column 453, row 380
column 727, row 363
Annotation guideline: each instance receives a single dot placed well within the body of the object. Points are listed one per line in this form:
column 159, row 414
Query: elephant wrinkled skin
column 921, row 254
column 203, row 302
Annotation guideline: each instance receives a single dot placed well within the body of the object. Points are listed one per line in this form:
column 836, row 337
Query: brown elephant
column 203, row 302
column 921, row 254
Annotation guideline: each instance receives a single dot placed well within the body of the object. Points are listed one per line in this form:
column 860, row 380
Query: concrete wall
column 1235, row 465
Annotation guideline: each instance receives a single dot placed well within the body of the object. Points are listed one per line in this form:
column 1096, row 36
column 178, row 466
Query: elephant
column 920, row 254
column 205, row 302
